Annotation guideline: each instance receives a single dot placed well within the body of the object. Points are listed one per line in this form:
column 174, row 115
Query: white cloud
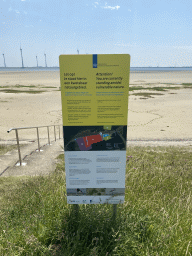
column 95, row 4
column 11, row 9
column 111, row 7
column 25, row 12
column 22, row 0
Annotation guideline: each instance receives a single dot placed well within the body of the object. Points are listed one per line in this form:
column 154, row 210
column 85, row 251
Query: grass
column 19, row 86
column 154, row 220
column 134, row 88
column 10, row 89
column 49, row 86
column 187, row 85
column 162, row 88
column 5, row 148
column 24, row 86
column 8, row 186
column 20, row 91
column 27, row 86
column 146, row 94
column 159, row 88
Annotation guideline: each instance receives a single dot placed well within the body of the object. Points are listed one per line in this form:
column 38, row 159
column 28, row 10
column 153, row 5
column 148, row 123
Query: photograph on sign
column 94, row 92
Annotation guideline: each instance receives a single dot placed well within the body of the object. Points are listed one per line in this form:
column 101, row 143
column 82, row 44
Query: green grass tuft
column 49, row 86
column 134, row 88
column 5, row 148
column 60, row 157
column 187, row 85
column 146, row 94
column 162, row 88
column 24, row 86
column 20, row 91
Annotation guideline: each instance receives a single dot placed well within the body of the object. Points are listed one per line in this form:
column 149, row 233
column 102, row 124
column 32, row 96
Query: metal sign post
column 114, row 212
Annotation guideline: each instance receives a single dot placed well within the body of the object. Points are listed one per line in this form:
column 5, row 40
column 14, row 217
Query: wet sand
column 161, row 117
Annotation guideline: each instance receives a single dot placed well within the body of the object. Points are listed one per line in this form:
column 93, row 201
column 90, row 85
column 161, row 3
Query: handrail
column 33, row 127
column 19, row 128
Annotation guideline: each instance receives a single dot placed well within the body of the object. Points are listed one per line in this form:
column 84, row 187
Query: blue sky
column 153, row 32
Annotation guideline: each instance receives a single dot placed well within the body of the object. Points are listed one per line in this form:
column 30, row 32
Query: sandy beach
column 163, row 115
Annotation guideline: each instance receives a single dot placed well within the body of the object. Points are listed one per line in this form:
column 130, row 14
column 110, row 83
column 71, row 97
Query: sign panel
column 94, row 91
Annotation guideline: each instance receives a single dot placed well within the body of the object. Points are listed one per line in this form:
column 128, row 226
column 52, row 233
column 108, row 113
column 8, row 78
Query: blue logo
column 94, row 60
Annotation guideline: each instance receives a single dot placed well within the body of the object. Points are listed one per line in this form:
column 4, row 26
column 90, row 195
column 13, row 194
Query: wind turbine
column 4, row 60
column 21, row 57
column 45, row 60
column 37, row 61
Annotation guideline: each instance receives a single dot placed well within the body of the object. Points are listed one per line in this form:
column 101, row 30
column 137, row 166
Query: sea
column 132, row 69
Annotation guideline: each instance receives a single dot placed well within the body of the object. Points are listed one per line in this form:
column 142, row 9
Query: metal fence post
column 48, row 134
column 17, row 137
column 54, row 132
column 38, row 139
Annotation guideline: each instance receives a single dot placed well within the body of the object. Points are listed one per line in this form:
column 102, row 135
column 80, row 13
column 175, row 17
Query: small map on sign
column 95, row 138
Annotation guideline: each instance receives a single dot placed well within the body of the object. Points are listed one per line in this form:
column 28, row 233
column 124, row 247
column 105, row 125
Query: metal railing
column 35, row 127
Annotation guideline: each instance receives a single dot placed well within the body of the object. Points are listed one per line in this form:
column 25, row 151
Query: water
column 133, row 69
column 31, row 69
column 161, row 69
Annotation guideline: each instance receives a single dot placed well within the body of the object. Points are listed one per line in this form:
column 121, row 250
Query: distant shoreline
column 132, row 69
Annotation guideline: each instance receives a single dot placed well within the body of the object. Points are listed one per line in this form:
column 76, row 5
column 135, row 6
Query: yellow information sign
column 94, row 91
